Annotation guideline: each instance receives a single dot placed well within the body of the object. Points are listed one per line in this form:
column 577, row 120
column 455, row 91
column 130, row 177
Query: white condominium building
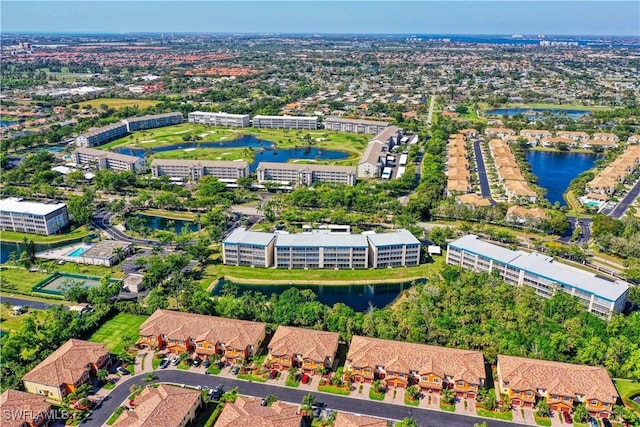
column 355, row 125
column 225, row 171
column 32, row 217
column 108, row 160
column 101, row 135
column 374, row 158
column 285, row 122
column 153, row 121
column 300, row 174
column 220, row 119
column 321, row 249
column 600, row 296
column 394, row 249
column 253, row 248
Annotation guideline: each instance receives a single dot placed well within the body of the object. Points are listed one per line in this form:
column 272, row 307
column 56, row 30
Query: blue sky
column 405, row 17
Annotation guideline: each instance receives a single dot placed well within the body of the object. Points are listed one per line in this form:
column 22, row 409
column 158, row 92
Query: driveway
column 621, row 207
column 424, row 417
column 482, row 171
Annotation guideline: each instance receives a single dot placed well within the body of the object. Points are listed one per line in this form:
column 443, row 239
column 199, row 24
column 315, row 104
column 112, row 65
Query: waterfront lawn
column 119, row 332
column 118, row 103
column 628, row 389
column 15, row 236
column 251, row 275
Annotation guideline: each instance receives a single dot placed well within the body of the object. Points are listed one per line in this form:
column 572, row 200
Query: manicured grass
column 9, row 323
column 118, row 332
column 187, row 216
column 408, row 401
column 449, row 407
column 291, row 381
column 252, row 377
column 251, row 275
column 508, row 415
column 14, row 236
column 213, row 370
column 109, row 386
column 628, row 389
column 375, row 396
column 542, row 421
column 575, row 424
column 155, row 362
column 116, row 414
column 19, row 280
column 90, row 270
column 183, row 366
column 118, row 103
column 334, row 390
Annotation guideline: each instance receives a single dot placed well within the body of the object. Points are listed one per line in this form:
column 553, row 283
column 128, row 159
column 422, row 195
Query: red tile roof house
column 248, row 412
column 307, row 349
column 563, row 385
column 20, row 409
column 67, row 368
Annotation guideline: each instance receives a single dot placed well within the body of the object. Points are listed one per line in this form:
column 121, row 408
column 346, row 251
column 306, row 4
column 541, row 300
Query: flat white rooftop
column 18, row 206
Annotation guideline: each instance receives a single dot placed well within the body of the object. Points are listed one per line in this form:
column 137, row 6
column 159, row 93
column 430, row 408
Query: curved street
column 102, row 221
column 425, row 418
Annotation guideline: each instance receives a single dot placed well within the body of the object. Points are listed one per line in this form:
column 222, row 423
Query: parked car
column 196, row 362
column 175, row 360
column 274, row 374
column 216, row 393
column 305, row 379
column 263, row 402
column 206, row 363
column 235, row 370
column 122, row 371
column 164, row 363
column 593, row 422
column 606, row 422
column 567, row 417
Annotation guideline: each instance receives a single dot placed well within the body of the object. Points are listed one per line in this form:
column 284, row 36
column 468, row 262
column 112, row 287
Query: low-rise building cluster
column 616, row 172
column 99, row 159
column 458, row 174
column 510, row 176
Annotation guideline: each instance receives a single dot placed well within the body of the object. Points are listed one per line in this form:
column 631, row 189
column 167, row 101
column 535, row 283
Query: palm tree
column 14, row 257
column 447, row 395
column 119, row 254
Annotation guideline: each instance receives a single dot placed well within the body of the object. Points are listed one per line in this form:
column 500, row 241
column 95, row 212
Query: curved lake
column 555, row 170
column 358, row 297
column 166, row 224
column 266, row 150
column 535, row 113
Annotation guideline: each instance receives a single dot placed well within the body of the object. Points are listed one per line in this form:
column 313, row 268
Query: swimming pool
column 593, row 204
column 78, row 252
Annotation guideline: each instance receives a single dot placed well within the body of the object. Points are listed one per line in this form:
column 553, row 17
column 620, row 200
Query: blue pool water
column 78, row 252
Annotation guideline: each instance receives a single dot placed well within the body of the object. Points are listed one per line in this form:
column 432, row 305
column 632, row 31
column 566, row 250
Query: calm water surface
column 535, row 113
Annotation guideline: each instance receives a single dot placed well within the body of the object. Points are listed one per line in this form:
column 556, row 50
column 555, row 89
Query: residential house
column 633, row 139
column 563, row 385
column 576, row 136
column 165, row 405
column 606, row 136
column 204, row 336
column 474, row 200
column 20, row 409
column 535, row 134
column 518, row 214
column 499, row 132
column 308, row 349
column 248, row 411
column 346, row 419
column 67, row 368
column 401, row 364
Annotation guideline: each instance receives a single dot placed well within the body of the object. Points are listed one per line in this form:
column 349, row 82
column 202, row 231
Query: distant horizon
column 611, row 18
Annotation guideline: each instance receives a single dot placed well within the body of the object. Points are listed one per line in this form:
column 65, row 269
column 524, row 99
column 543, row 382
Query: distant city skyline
column 589, row 18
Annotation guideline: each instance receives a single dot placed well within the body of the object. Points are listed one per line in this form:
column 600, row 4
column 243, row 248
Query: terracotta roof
column 165, row 406
column 316, row 345
column 249, row 412
column 345, row 419
column 18, row 402
column 67, row 364
column 177, row 325
column 399, row 356
column 520, row 212
column 564, row 379
column 474, row 200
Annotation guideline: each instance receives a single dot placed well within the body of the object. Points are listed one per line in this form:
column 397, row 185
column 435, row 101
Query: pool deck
column 62, row 253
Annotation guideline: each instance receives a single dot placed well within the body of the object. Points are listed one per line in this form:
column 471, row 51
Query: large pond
column 266, row 151
column 537, row 113
column 167, row 224
column 358, row 297
column 7, row 247
column 556, row 169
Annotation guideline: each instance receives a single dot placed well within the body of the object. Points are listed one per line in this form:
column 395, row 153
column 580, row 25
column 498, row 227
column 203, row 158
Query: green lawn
column 494, row 414
column 9, row 323
column 628, row 389
column 291, row 381
column 251, row 377
column 212, row 370
column 118, row 103
column 184, row 366
column 449, row 407
column 334, row 390
column 19, row 280
column 542, row 421
column 187, row 216
column 119, row 332
column 14, row 236
column 375, row 396
column 416, row 402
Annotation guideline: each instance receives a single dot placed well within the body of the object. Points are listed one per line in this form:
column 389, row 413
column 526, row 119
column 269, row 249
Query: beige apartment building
column 101, row 135
column 192, row 170
column 355, row 125
column 285, row 122
column 108, row 160
column 252, row 248
column 32, row 217
column 220, row 119
column 305, row 175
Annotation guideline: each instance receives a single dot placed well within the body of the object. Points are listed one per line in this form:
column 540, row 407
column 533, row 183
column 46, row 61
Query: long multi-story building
column 394, row 249
column 321, row 249
column 355, row 125
column 326, row 248
column 101, row 135
column 563, row 385
column 220, row 119
column 540, row 272
column 153, row 121
column 285, row 122
column 225, row 171
column 301, row 174
column 244, row 247
column 108, row 160
column 32, row 217
column 375, row 156
column 402, row 364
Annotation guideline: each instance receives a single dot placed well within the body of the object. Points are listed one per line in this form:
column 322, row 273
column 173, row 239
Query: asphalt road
column 102, row 220
column 27, row 303
column 425, row 418
column 584, row 224
column 482, row 171
column 621, row 207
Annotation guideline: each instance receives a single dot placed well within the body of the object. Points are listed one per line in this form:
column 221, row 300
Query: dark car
column 305, row 379
column 206, row 363
column 196, row 362
column 263, row 402
column 606, row 422
column 122, row 371
column 216, row 393
column 235, row 370
column 164, row 363
column 567, row 417
column 274, row 374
